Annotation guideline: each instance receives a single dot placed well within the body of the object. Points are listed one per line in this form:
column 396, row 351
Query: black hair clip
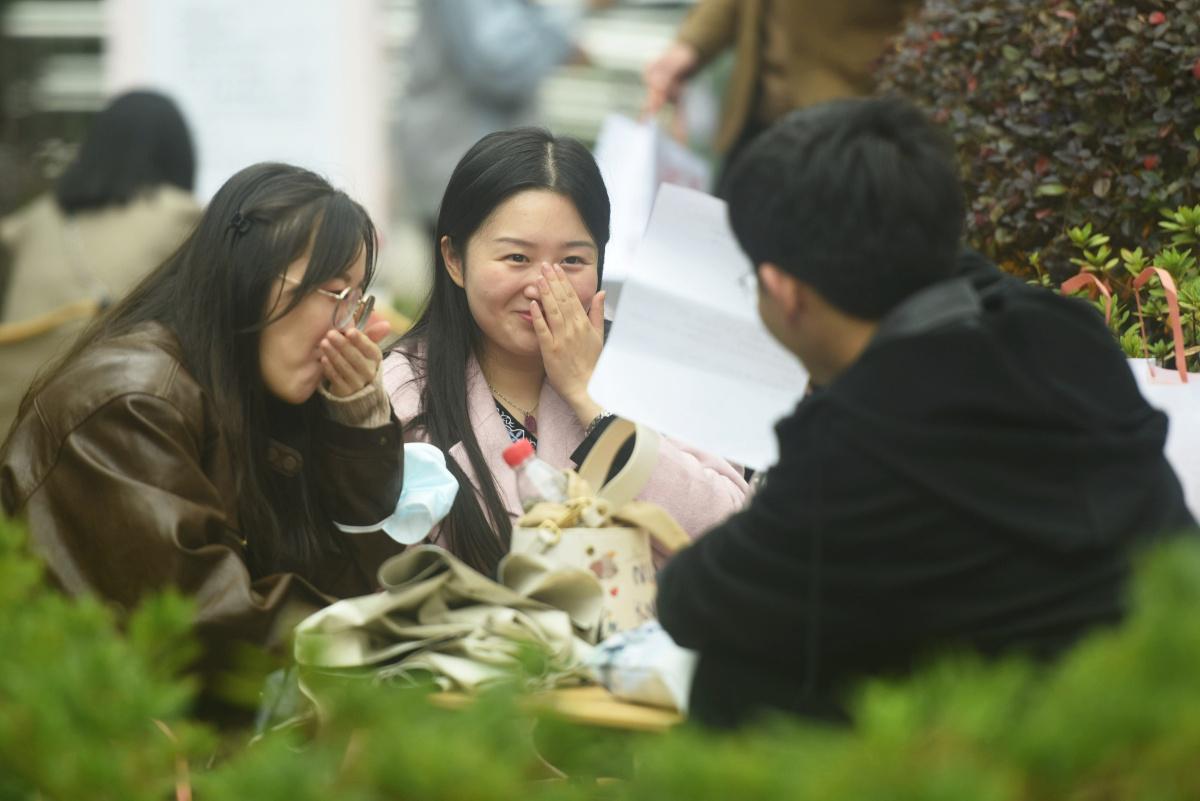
column 240, row 222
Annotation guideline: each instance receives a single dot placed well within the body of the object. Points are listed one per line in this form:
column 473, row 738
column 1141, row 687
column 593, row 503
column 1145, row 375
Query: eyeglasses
column 352, row 306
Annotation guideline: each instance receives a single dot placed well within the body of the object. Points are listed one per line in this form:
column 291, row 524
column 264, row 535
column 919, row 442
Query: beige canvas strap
column 654, row 520
column 634, row 475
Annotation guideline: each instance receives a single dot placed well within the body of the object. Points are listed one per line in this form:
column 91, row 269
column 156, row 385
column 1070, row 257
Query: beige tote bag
column 438, row 617
column 605, row 531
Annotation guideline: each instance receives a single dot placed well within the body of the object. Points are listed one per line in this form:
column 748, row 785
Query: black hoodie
column 978, row 479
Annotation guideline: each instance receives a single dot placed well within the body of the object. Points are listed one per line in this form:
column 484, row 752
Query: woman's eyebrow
column 525, row 243
column 579, row 243
column 514, row 241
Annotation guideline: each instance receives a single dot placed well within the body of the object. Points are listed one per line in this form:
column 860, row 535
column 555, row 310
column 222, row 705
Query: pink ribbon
column 1168, row 285
column 1085, row 279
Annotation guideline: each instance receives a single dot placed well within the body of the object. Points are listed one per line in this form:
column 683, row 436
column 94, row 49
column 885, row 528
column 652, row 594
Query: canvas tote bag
column 439, row 617
column 605, row 531
column 1175, row 392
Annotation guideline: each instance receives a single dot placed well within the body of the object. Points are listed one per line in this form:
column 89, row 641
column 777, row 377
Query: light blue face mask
column 429, row 492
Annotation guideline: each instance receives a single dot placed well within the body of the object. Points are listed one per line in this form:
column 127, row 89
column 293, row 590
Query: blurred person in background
column 788, row 54
column 120, row 208
column 476, row 67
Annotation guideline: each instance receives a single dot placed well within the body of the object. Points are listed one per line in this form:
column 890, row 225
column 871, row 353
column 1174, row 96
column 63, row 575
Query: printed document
column 687, row 354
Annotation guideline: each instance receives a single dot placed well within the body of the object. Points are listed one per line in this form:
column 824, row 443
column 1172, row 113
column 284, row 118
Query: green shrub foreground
column 1119, row 718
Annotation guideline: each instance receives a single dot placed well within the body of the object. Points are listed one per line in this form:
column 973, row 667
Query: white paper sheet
column 635, row 158
column 688, row 354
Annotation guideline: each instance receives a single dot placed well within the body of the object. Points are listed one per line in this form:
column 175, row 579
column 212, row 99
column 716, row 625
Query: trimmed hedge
column 1118, row 718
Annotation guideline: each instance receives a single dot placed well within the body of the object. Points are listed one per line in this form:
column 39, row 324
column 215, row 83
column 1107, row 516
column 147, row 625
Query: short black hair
column 138, row 143
column 859, row 198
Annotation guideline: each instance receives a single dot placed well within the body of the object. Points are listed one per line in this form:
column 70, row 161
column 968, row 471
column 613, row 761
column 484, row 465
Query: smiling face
column 289, row 348
column 504, row 258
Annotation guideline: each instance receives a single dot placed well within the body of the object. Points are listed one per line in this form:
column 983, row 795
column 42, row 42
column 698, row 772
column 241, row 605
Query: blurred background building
column 56, row 72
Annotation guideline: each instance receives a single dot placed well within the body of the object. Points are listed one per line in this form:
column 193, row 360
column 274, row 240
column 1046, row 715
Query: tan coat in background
column 58, row 260
column 828, row 48
column 64, row 268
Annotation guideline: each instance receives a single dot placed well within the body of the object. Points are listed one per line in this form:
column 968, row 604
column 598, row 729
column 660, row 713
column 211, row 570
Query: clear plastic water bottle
column 537, row 481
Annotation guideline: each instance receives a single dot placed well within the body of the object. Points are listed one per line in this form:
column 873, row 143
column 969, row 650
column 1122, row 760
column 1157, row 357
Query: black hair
column 445, row 336
column 212, row 294
column 859, row 198
column 138, row 143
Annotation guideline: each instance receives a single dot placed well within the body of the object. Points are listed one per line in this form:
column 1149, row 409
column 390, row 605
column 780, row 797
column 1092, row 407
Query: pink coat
column 697, row 489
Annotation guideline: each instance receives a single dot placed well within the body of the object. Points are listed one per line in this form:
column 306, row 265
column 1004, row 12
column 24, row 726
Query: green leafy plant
column 1095, row 249
column 1118, row 273
column 1063, row 112
column 88, row 710
column 1117, row 718
column 1183, row 224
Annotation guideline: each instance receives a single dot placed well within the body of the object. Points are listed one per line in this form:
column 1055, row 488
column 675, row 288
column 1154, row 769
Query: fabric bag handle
column 634, row 475
column 1172, row 296
column 653, row 519
column 1094, row 286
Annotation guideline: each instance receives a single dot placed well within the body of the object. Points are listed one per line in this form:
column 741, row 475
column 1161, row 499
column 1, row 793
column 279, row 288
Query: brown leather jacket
column 124, row 476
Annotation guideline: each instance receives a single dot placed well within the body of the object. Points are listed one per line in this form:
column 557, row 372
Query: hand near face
column 570, row 337
column 666, row 75
column 351, row 358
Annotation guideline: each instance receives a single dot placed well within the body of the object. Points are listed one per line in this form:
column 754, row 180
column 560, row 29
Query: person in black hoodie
column 974, row 470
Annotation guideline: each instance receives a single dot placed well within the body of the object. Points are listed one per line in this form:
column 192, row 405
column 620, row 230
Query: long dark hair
column 212, row 294
column 444, row 338
column 138, row 143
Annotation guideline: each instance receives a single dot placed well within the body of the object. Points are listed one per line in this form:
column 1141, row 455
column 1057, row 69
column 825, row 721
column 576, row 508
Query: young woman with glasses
column 211, row 430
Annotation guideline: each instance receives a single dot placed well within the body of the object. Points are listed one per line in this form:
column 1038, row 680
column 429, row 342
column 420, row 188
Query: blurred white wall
column 300, row 81
column 316, row 82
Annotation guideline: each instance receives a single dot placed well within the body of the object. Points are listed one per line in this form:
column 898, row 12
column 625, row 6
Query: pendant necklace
column 530, row 422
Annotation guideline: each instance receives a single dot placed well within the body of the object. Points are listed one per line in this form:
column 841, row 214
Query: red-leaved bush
column 1063, row 113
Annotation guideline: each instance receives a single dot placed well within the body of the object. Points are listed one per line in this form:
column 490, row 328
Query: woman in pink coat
column 511, row 335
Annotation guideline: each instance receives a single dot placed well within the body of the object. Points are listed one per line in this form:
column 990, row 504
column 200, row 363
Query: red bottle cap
column 518, row 452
